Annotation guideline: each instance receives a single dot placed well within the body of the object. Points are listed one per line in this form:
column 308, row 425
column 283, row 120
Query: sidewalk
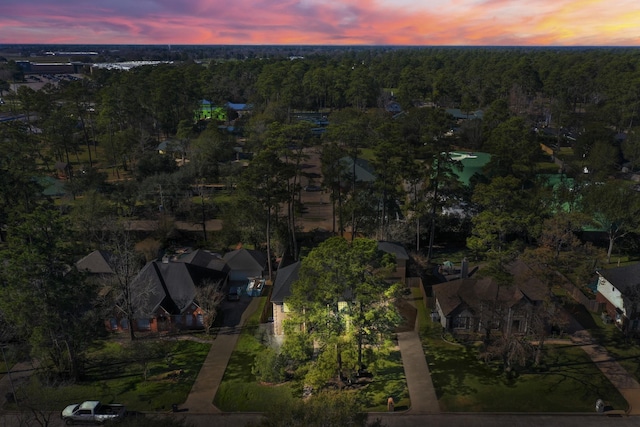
column 628, row 387
column 204, row 389
column 421, row 391
column 18, row 374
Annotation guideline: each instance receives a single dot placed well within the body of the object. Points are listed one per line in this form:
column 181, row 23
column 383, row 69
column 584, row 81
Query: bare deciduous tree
column 209, row 296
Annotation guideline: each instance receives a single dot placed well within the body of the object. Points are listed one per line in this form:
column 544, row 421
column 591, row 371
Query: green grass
column 625, row 350
column 453, row 255
column 389, row 380
column 113, row 377
column 239, row 390
column 568, row 381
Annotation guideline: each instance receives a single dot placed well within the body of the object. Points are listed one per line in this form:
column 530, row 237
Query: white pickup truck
column 92, row 412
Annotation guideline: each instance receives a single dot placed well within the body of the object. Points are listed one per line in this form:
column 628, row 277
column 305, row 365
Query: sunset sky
column 323, row 22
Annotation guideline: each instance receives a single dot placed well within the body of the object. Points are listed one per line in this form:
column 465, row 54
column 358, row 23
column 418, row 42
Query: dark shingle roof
column 623, row 278
column 284, row 279
column 179, row 283
column 171, row 285
column 147, row 290
column 471, row 291
column 245, row 259
column 97, row 262
column 395, row 249
column 202, row 258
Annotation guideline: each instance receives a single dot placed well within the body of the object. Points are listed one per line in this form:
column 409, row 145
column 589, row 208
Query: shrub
column 269, row 366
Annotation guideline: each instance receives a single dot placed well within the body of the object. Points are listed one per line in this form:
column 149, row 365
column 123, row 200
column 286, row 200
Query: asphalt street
column 390, row 420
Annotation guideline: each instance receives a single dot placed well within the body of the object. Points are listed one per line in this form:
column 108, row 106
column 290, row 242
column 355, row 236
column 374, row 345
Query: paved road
column 389, row 420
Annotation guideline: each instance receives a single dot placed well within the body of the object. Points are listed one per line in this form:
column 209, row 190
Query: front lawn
column 568, row 381
column 239, row 390
column 115, row 373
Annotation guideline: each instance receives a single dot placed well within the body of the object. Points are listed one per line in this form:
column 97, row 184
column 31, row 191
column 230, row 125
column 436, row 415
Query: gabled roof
column 205, row 259
column 148, row 290
column 171, row 145
column 623, row 278
column 471, row 292
column 363, row 170
column 245, row 259
column 179, row 282
column 169, row 285
column 285, row 277
column 395, row 249
column 97, row 262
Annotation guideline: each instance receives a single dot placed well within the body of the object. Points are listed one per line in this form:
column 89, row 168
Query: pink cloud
column 403, row 22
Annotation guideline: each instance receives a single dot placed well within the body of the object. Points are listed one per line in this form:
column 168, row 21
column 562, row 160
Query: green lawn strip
column 568, row 382
column 625, row 350
column 239, row 390
column 388, row 380
column 113, row 377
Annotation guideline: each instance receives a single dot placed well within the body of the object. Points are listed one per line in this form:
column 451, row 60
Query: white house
column 618, row 293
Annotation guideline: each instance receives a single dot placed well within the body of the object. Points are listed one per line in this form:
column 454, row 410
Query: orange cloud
column 397, row 22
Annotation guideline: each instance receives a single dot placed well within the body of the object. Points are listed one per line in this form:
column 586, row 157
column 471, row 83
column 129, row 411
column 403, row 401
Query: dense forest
column 100, row 134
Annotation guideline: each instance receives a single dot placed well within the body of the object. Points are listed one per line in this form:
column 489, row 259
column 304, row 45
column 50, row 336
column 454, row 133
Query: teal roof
column 52, row 187
column 472, row 162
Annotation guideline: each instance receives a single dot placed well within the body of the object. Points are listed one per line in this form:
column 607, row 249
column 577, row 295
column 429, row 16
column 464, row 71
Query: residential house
column 164, row 293
column 618, row 292
column 364, row 172
column 98, row 263
column 245, row 264
column 458, row 114
column 239, row 108
column 467, row 305
column 285, row 277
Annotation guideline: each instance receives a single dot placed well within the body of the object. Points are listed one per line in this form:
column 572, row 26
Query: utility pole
column 13, row 390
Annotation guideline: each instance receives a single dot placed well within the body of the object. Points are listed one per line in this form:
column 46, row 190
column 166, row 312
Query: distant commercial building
column 29, row 67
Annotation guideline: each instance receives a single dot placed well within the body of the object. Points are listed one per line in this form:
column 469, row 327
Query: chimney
column 464, row 269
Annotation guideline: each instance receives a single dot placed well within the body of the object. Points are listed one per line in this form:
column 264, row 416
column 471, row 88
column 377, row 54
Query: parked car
column 92, row 412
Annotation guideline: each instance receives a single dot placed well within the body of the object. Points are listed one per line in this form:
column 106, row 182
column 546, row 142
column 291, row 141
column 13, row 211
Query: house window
column 124, row 324
column 189, row 319
column 144, row 324
column 200, row 320
column 460, row 323
column 515, row 326
column 113, row 323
